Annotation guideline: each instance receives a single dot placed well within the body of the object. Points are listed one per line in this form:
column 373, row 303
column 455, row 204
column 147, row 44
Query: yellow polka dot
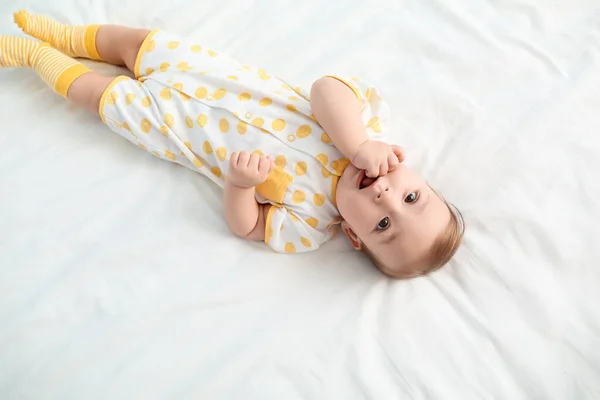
column 151, row 46
column 183, row 66
column 372, row 120
column 291, row 138
column 280, row 161
column 202, row 120
column 340, row 165
column 212, row 53
column 290, row 248
column 258, row 152
column 233, row 77
column 219, row 94
column 207, row 147
column 112, row 97
column 303, row 131
column 298, row 197
column 201, row 92
column 262, row 74
column 293, row 217
column 172, row 45
column 368, row 93
column 165, row 93
column 301, row 168
column 189, row 122
column 149, row 71
column 221, row 153
column 305, row 241
column 294, row 98
column 311, row 116
column 178, row 86
column 244, row 96
column 141, row 146
column 184, row 96
column 198, row 163
column 130, row 98
column 291, row 108
column 146, row 125
column 319, row 199
column 223, row 125
column 325, row 138
column 156, row 153
column 278, row 124
column 188, row 145
column 265, row 101
column 312, row 222
column 146, row 102
column 164, row 66
column 266, row 132
column 170, row 155
column 322, row 159
column 325, row 172
column 164, row 130
column 241, row 127
column 216, row 171
column 196, row 48
column 169, row 120
column 298, row 90
column 286, row 87
column 258, row 122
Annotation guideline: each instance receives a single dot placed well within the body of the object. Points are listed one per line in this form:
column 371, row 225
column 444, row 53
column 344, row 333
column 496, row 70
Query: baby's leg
column 114, row 44
column 120, row 45
column 86, row 91
column 64, row 75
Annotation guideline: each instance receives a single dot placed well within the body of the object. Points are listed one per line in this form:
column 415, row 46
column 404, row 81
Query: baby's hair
column 442, row 250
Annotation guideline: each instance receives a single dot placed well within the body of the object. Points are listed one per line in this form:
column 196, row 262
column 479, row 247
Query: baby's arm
column 337, row 109
column 244, row 215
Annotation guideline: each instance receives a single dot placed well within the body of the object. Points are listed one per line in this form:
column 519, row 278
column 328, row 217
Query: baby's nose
column 382, row 191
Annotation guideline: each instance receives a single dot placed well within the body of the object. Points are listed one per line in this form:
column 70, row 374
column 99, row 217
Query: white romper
column 194, row 106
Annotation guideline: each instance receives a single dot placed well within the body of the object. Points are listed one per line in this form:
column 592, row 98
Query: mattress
column 119, row 278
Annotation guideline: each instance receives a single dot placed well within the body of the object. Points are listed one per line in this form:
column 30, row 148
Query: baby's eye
column 412, row 197
column 383, row 224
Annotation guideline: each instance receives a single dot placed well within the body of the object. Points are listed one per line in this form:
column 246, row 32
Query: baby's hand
column 377, row 158
column 247, row 169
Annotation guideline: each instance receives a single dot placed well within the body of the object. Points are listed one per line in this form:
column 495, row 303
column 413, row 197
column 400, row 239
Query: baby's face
column 398, row 216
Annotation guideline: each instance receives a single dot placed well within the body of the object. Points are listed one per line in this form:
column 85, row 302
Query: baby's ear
column 354, row 239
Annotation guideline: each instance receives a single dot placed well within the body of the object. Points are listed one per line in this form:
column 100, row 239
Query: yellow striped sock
column 74, row 41
column 55, row 68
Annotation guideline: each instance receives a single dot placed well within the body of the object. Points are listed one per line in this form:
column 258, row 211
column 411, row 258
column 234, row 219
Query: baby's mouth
column 364, row 181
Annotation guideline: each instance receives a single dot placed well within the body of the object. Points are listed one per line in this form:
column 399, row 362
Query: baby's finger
column 383, row 168
column 253, row 162
column 243, row 159
column 264, row 166
column 233, row 158
column 392, row 161
column 399, row 152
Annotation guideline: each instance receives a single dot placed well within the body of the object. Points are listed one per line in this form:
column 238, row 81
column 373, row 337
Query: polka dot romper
column 193, row 106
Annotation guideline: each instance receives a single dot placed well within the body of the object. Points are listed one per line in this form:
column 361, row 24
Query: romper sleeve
column 375, row 112
column 285, row 232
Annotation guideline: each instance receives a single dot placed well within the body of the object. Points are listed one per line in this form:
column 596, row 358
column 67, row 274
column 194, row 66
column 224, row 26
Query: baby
column 294, row 165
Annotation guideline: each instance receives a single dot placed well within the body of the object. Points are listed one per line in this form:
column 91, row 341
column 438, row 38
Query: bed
column 120, row 280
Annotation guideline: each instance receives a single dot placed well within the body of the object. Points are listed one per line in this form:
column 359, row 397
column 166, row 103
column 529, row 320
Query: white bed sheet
column 119, row 278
